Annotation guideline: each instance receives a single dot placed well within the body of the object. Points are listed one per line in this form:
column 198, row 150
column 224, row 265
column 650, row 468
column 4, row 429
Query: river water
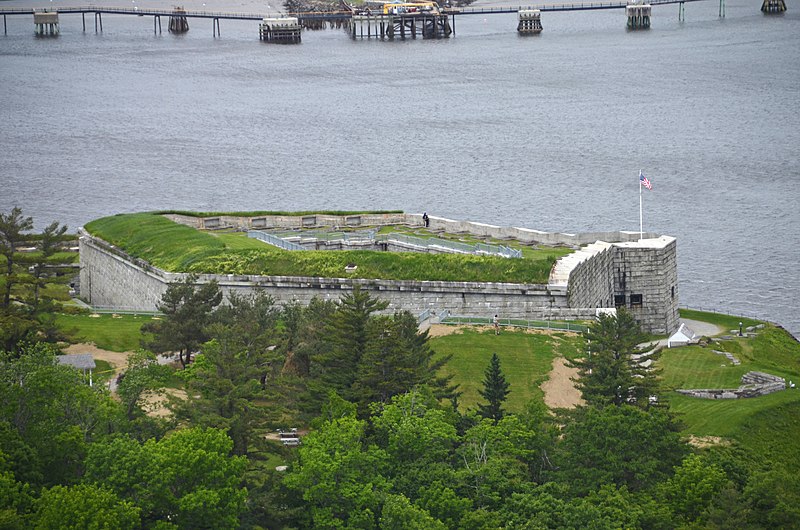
column 545, row 132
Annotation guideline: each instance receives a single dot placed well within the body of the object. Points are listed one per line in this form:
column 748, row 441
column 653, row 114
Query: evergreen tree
column 397, row 358
column 12, row 233
column 609, row 375
column 187, row 311
column 347, row 332
column 49, row 244
column 495, row 391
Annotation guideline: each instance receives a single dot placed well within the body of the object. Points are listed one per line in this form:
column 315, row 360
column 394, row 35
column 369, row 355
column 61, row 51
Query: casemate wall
column 642, row 275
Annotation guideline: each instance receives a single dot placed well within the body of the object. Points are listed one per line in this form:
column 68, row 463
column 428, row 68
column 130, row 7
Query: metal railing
column 453, row 246
column 511, row 322
column 371, row 236
column 273, row 240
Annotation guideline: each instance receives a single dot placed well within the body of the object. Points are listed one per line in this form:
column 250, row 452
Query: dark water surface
column 546, row 132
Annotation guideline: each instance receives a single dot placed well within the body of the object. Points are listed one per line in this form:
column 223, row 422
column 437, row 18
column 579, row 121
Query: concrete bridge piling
column 45, row 23
column 773, row 6
column 177, row 21
column 638, row 15
column 530, row 22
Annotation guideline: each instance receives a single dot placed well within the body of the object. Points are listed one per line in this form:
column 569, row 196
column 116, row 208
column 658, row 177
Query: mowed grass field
column 767, row 425
column 121, row 333
column 525, row 359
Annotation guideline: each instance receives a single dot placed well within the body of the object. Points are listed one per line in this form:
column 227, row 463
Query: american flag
column 644, row 181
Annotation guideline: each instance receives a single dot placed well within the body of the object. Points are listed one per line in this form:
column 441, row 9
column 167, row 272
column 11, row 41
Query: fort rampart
column 622, row 268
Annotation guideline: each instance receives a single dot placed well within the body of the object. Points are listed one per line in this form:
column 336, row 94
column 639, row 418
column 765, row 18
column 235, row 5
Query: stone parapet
column 523, row 235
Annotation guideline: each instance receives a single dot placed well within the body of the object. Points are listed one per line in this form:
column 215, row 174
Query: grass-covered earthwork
column 179, row 248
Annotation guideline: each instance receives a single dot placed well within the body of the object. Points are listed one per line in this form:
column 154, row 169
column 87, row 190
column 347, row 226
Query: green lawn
column 106, row 332
column 102, row 372
column 179, row 248
column 525, row 359
column 773, row 351
column 697, row 367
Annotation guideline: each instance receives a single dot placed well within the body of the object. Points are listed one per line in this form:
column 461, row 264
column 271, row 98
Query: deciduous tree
column 84, row 507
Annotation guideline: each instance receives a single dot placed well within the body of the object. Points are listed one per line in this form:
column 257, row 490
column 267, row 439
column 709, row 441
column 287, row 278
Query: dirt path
column 559, row 390
column 119, row 360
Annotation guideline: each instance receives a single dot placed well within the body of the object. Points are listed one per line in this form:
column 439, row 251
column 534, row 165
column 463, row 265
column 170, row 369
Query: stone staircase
column 559, row 276
column 731, row 358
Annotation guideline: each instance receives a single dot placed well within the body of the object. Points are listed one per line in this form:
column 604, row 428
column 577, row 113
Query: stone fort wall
column 112, row 279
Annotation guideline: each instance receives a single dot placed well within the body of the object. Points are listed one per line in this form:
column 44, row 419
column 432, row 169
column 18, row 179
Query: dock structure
column 403, row 20
column 638, row 15
column 284, row 30
column 530, row 22
column 773, row 6
column 45, row 23
column 177, row 21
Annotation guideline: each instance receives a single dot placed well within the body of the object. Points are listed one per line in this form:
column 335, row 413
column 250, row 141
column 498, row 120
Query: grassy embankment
column 176, row 247
column 525, row 358
column 767, row 425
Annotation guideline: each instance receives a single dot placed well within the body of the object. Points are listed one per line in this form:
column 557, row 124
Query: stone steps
column 564, row 266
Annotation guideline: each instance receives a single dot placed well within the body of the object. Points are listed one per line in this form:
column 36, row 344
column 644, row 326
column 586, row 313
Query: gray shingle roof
column 82, row 361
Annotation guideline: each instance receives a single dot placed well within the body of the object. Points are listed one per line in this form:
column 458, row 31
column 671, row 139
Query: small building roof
column 82, row 361
column 684, row 335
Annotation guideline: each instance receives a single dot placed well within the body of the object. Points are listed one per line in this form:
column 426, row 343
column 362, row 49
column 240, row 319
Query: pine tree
column 187, row 311
column 495, row 390
column 608, row 375
column 12, row 234
column 347, row 332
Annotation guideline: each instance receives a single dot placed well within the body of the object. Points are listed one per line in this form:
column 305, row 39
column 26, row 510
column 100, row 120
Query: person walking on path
column 426, row 220
column 496, row 322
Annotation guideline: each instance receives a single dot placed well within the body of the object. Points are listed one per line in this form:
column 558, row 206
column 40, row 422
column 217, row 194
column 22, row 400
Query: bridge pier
column 215, row 27
column 638, row 16
column 530, row 22
column 773, row 6
column 5, row 26
column 428, row 25
column 285, row 30
column 681, row 12
column 178, row 22
column 721, row 8
column 98, row 16
column 45, row 23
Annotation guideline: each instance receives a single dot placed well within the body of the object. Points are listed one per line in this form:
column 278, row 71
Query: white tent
column 682, row 337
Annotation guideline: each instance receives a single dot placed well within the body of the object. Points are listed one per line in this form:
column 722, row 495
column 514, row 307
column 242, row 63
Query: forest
column 386, row 442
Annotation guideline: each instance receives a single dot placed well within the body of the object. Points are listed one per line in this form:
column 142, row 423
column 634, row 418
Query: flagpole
column 641, row 229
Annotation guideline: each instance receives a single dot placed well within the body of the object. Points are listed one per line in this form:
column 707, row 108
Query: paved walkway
column 702, row 329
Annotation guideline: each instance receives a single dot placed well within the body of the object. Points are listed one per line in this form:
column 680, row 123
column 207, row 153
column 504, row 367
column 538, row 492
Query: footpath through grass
column 726, row 322
column 179, row 248
column 525, row 358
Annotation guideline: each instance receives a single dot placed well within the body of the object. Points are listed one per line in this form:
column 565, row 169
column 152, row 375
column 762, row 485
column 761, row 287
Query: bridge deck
column 329, row 15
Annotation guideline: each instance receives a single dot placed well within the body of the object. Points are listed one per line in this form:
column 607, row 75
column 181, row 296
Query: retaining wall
column 754, row 384
column 110, row 278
